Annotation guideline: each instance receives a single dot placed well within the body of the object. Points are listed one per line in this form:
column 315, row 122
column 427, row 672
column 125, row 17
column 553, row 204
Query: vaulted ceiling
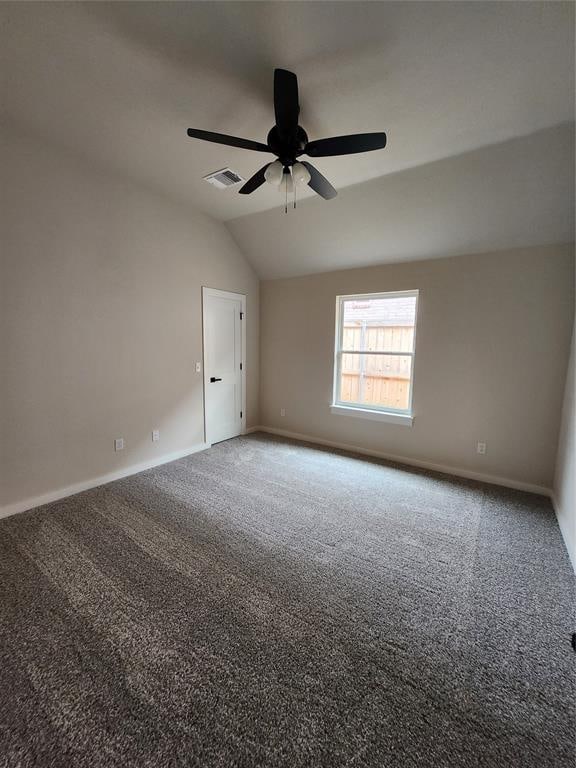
column 508, row 195
column 118, row 83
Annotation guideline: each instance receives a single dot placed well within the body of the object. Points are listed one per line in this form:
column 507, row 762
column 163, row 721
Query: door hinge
column 240, row 366
column 240, row 414
column 241, row 315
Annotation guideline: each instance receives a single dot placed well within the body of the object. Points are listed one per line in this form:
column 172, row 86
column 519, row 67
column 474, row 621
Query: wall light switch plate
column 282, row 411
column 119, row 444
column 155, row 435
column 198, row 367
column 481, row 448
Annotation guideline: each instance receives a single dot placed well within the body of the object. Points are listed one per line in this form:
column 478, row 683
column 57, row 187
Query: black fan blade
column 319, row 183
column 346, row 145
column 230, row 141
column 286, row 107
column 254, row 182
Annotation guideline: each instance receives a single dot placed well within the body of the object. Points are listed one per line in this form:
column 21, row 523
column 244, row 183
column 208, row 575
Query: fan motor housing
column 287, row 150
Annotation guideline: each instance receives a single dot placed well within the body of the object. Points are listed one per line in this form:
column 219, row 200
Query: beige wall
column 565, row 477
column 492, row 346
column 101, row 326
column 101, row 320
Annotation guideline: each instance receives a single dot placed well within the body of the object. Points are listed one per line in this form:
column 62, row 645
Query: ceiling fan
column 288, row 141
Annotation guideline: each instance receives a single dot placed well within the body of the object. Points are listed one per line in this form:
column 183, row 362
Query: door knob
column 213, row 379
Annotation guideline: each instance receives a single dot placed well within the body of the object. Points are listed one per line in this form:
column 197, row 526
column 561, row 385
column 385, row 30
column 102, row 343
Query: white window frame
column 374, row 412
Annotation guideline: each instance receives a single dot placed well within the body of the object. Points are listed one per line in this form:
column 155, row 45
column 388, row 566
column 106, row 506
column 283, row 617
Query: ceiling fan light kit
column 288, row 141
column 300, row 173
column 274, row 173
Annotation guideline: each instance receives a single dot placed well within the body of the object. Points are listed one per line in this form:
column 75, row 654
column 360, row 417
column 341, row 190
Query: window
column 374, row 361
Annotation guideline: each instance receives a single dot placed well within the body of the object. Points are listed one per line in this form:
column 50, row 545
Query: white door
column 224, row 339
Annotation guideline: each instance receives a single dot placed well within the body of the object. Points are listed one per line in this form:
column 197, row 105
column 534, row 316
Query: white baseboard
column 85, row 485
column 61, row 493
column 568, row 542
column 448, row 470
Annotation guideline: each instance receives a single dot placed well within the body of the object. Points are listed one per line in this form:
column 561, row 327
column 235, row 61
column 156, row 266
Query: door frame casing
column 217, row 293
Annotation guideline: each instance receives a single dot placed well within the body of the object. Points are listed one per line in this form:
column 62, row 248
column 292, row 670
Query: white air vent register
column 223, row 178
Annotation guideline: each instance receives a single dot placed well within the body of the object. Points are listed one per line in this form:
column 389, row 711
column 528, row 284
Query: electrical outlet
column 198, row 367
column 282, row 411
column 155, row 435
column 481, row 448
column 119, row 444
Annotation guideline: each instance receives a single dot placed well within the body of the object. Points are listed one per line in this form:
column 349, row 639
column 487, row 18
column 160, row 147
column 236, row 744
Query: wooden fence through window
column 382, row 380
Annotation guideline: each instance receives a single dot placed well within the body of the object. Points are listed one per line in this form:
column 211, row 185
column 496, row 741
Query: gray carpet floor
column 268, row 603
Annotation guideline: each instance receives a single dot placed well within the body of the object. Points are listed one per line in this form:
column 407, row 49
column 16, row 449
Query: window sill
column 364, row 413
